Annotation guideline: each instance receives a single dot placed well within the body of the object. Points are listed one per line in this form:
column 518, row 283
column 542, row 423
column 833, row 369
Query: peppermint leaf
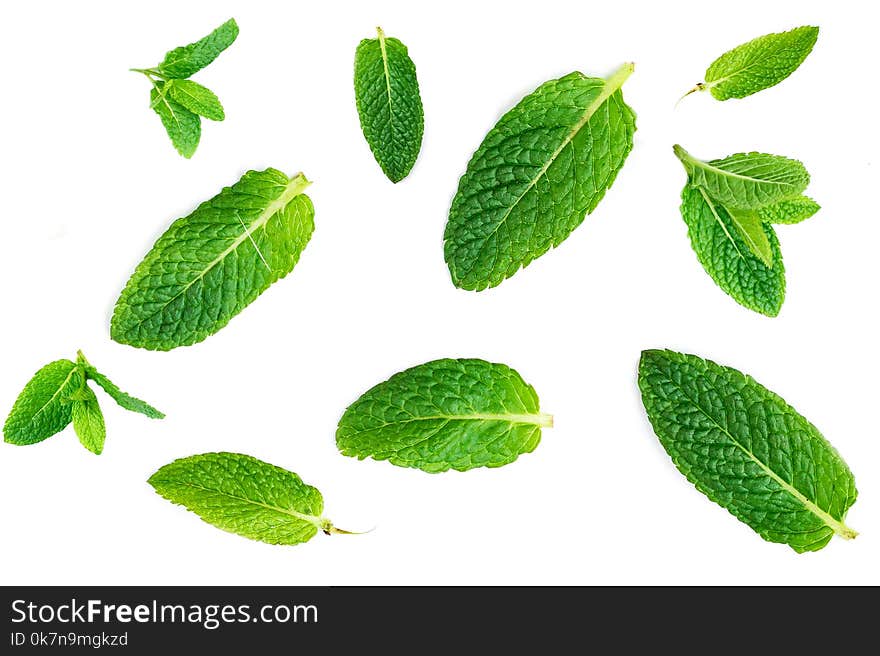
column 186, row 60
column 389, row 104
column 544, row 166
column 790, row 211
column 88, row 421
column 196, row 98
column 747, row 450
column 746, row 180
column 210, row 265
column 43, row 407
column 445, row 414
column 726, row 256
column 183, row 127
column 245, row 496
column 759, row 64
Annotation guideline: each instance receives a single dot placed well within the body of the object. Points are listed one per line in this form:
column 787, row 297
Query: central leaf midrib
column 540, row 420
column 295, row 186
column 56, row 393
column 835, row 525
column 387, row 71
column 310, row 519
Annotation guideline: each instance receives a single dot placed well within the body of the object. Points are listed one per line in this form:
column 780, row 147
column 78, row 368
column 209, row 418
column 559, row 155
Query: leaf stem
column 700, row 86
column 328, row 529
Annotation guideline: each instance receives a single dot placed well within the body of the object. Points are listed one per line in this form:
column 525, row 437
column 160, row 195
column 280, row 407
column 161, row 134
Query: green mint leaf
column 544, row 166
column 790, row 211
column 747, row 450
column 753, row 232
column 43, row 407
column 445, row 414
column 124, row 400
column 184, row 61
column 245, row 496
column 759, row 64
column 196, row 98
column 746, row 180
column 88, row 421
column 726, row 256
column 388, row 103
column 183, row 126
column 210, row 265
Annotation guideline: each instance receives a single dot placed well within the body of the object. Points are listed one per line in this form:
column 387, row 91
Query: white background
column 89, row 180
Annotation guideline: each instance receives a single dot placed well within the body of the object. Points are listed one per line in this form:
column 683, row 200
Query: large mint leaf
column 445, row 414
column 210, row 265
column 184, row 128
column 43, row 407
column 186, row 60
column 544, row 166
column 746, row 180
column 727, row 257
column 389, row 104
column 759, row 64
column 88, row 421
column 246, row 496
column 747, row 450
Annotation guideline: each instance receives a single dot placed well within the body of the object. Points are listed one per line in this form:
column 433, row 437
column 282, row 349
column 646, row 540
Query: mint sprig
column 59, row 394
column 180, row 102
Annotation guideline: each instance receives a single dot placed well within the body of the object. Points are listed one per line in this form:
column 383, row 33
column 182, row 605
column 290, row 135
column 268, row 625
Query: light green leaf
column 753, row 232
column 544, row 166
column 790, row 211
column 389, row 104
column 726, row 257
column 746, row 180
column 747, row 450
column 759, row 64
column 196, row 98
column 124, row 400
column 183, row 127
column 245, row 496
column 210, row 265
column 88, row 421
column 186, row 60
column 43, row 407
column 445, row 414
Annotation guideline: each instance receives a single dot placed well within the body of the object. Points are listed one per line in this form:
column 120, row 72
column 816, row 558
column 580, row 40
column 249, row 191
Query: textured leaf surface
column 183, row 126
column 747, row 180
column 43, row 408
column 789, row 211
column 760, row 63
column 243, row 495
column 747, row 449
column 210, row 265
column 186, row 60
column 124, row 400
column 751, row 228
column 445, row 414
column 544, row 166
column 197, row 99
column 726, row 257
column 389, row 104
column 88, row 420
